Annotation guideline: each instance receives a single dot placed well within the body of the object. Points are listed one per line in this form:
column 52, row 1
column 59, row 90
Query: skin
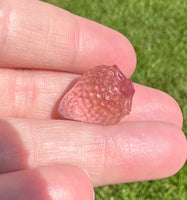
column 42, row 50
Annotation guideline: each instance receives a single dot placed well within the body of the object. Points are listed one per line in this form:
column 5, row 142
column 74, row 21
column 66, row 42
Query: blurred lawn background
column 158, row 31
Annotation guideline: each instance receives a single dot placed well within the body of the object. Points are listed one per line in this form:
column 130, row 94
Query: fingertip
column 67, row 182
column 150, row 104
column 145, row 151
column 174, row 149
column 104, row 46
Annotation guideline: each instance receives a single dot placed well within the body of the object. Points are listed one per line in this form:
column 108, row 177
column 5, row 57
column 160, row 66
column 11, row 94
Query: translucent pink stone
column 102, row 95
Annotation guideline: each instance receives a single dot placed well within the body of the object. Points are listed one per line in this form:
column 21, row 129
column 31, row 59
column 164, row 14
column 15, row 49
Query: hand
column 42, row 50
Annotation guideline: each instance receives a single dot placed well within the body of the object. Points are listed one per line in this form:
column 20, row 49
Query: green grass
column 158, row 31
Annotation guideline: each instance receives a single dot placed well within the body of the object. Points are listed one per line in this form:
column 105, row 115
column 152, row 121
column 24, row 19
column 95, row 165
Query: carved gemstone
column 103, row 95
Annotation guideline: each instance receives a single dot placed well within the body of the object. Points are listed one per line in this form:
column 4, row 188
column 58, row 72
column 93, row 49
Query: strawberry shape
column 103, row 95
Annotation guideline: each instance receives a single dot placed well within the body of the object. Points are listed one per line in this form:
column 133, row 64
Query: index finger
column 38, row 35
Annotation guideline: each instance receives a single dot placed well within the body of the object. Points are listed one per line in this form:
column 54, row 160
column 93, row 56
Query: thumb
column 47, row 183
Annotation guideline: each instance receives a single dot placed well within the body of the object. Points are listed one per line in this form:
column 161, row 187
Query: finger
column 150, row 104
column 38, row 35
column 36, row 94
column 125, row 152
column 46, row 183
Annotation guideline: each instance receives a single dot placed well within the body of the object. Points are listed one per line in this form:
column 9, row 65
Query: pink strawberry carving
column 102, row 95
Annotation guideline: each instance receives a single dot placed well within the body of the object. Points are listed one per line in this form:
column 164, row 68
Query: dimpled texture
column 102, row 95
